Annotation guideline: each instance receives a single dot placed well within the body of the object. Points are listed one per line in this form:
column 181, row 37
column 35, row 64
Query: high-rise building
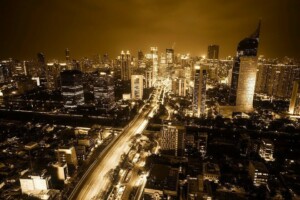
column 276, row 80
column 125, row 60
column 179, row 86
column 295, row 99
column 244, row 73
column 72, row 88
column 199, row 95
column 172, row 140
column 61, row 171
column 266, row 150
column 154, row 56
column 67, row 54
column 137, row 87
column 104, row 94
column 67, row 154
column 170, row 56
column 149, row 78
column 213, row 52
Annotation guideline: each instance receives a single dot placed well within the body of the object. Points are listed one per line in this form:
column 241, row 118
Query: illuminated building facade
column 154, row 56
column 31, row 183
column 67, row 155
column 213, row 52
column 72, row 88
column 125, row 60
column 258, row 173
column 170, row 56
column 172, row 140
column 179, row 86
column 137, row 87
column 199, row 96
column 149, row 78
column 294, row 107
column 61, row 170
column 244, row 74
column 266, row 150
column 104, row 94
column 276, row 80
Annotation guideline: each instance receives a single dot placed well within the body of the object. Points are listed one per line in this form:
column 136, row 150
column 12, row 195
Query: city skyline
column 89, row 28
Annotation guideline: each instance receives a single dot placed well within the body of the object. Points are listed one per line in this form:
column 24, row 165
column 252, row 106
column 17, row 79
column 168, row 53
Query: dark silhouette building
column 213, row 52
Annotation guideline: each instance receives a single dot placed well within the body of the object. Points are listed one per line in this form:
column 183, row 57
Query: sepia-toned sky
column 88, row 27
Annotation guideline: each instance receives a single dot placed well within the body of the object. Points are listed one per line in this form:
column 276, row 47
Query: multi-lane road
column 96, row 181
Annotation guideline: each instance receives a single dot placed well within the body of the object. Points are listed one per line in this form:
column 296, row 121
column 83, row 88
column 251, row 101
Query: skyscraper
column 67, row 52
column 154, row 55
column 72, row 88
column 137, row 87
column 125, row 66
column 104, row 94
column 170, row 56
column 244, row 73
column 172, row 140
column 213, row 52
column 295, row 99
column 199, row 96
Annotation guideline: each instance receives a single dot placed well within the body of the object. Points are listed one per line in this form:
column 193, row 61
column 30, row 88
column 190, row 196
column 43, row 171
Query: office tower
column 149, row 78
column 266, row 150
column 213, row 52
column 125, row 60
column 104, row 94
column 67, row 154
column 294, row 107
column 67, row 54
column 199, row 95
column 72, row 88
column 276, row 80
column 137, row 87
column 170, row 56
column 258, row 173
column 35, row 182
column 179, row 86
column 154, row 57
column 42, row 70
column 61, row 171
column 172, row 140
column 244, row 73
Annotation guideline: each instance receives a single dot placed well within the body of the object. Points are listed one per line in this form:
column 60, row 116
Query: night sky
column 88, row 27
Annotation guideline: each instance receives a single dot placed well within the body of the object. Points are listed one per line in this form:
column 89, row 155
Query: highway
column 96, row 181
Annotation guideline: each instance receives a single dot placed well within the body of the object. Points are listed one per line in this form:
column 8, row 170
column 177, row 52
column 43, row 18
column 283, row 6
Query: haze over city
column 149, row 100
column 97, row 27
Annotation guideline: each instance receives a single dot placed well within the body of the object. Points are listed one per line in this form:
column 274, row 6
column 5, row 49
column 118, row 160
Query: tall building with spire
column 244, row 73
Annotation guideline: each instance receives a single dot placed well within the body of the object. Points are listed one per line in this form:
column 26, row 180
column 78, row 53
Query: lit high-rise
column 295, row 99
column 199, row 96
column 125, row 60
column 244, row 74
column 137, row 87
